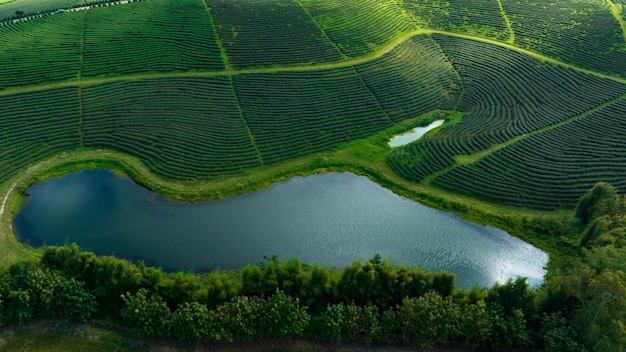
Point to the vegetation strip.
(616, 10)
(304, 68)
(511, 39)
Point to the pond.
(329, 219)
(414, 134)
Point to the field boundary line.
(456, 72)
(218, 39)
(462, 160)
(6, 197)
(373, 95)
(508, 22)
(307, 67)
(245, 121)
(321, 30)
(616, 11)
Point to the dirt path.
(6, 196)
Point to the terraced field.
(30, 7)
(269, 32)
(478, 17)
(578, 31)
(207, 90)
(37, 125)
(172, 36)
(358, 27)
(182, 128)
(412, 79)
(41, 50)
(293, 114)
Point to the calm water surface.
(414, 134)
(330, 219)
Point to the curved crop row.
(583, 32)
(37, 125)
(359, 26)
(184, 128)
(269, 32)
(551, 169)
(297, 113)
(41, 50)
(478, 17)
(412, 79)
(150, 36)
(17, 8)
(506, 94)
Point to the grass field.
(297, 86)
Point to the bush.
(189, 322)
(146, 316)
(284, 317)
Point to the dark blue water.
(330, 219)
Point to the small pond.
(330, 219)
(414, 134)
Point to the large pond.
(330, 219)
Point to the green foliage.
(513, 295)
(593, 230)
(146, 316)
(237, 319)
(283, 317)
(73, 302)
(189, 322)
(429, 320)
(598, 201)
(30, 291)
(508, 330)
(383, 284)
(599, 320)
(340, 322)
(444, 283)
(221, 288)
(476, 325)
(330, 323)
(557, 335)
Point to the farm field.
(176, 36)
(269, 32)
(8, 9)
(200, 91)
(579, 31)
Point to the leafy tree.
(513, 295)
(221, 288)
(429, 320)
(557, 335)
(189, 322)
(73, 301)
(236, 320)
(444, 283)
(599, 320)
(593, 230)
(476, 325)
(599, 200)
(147, 316)
(284, 317)
(508, 329)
